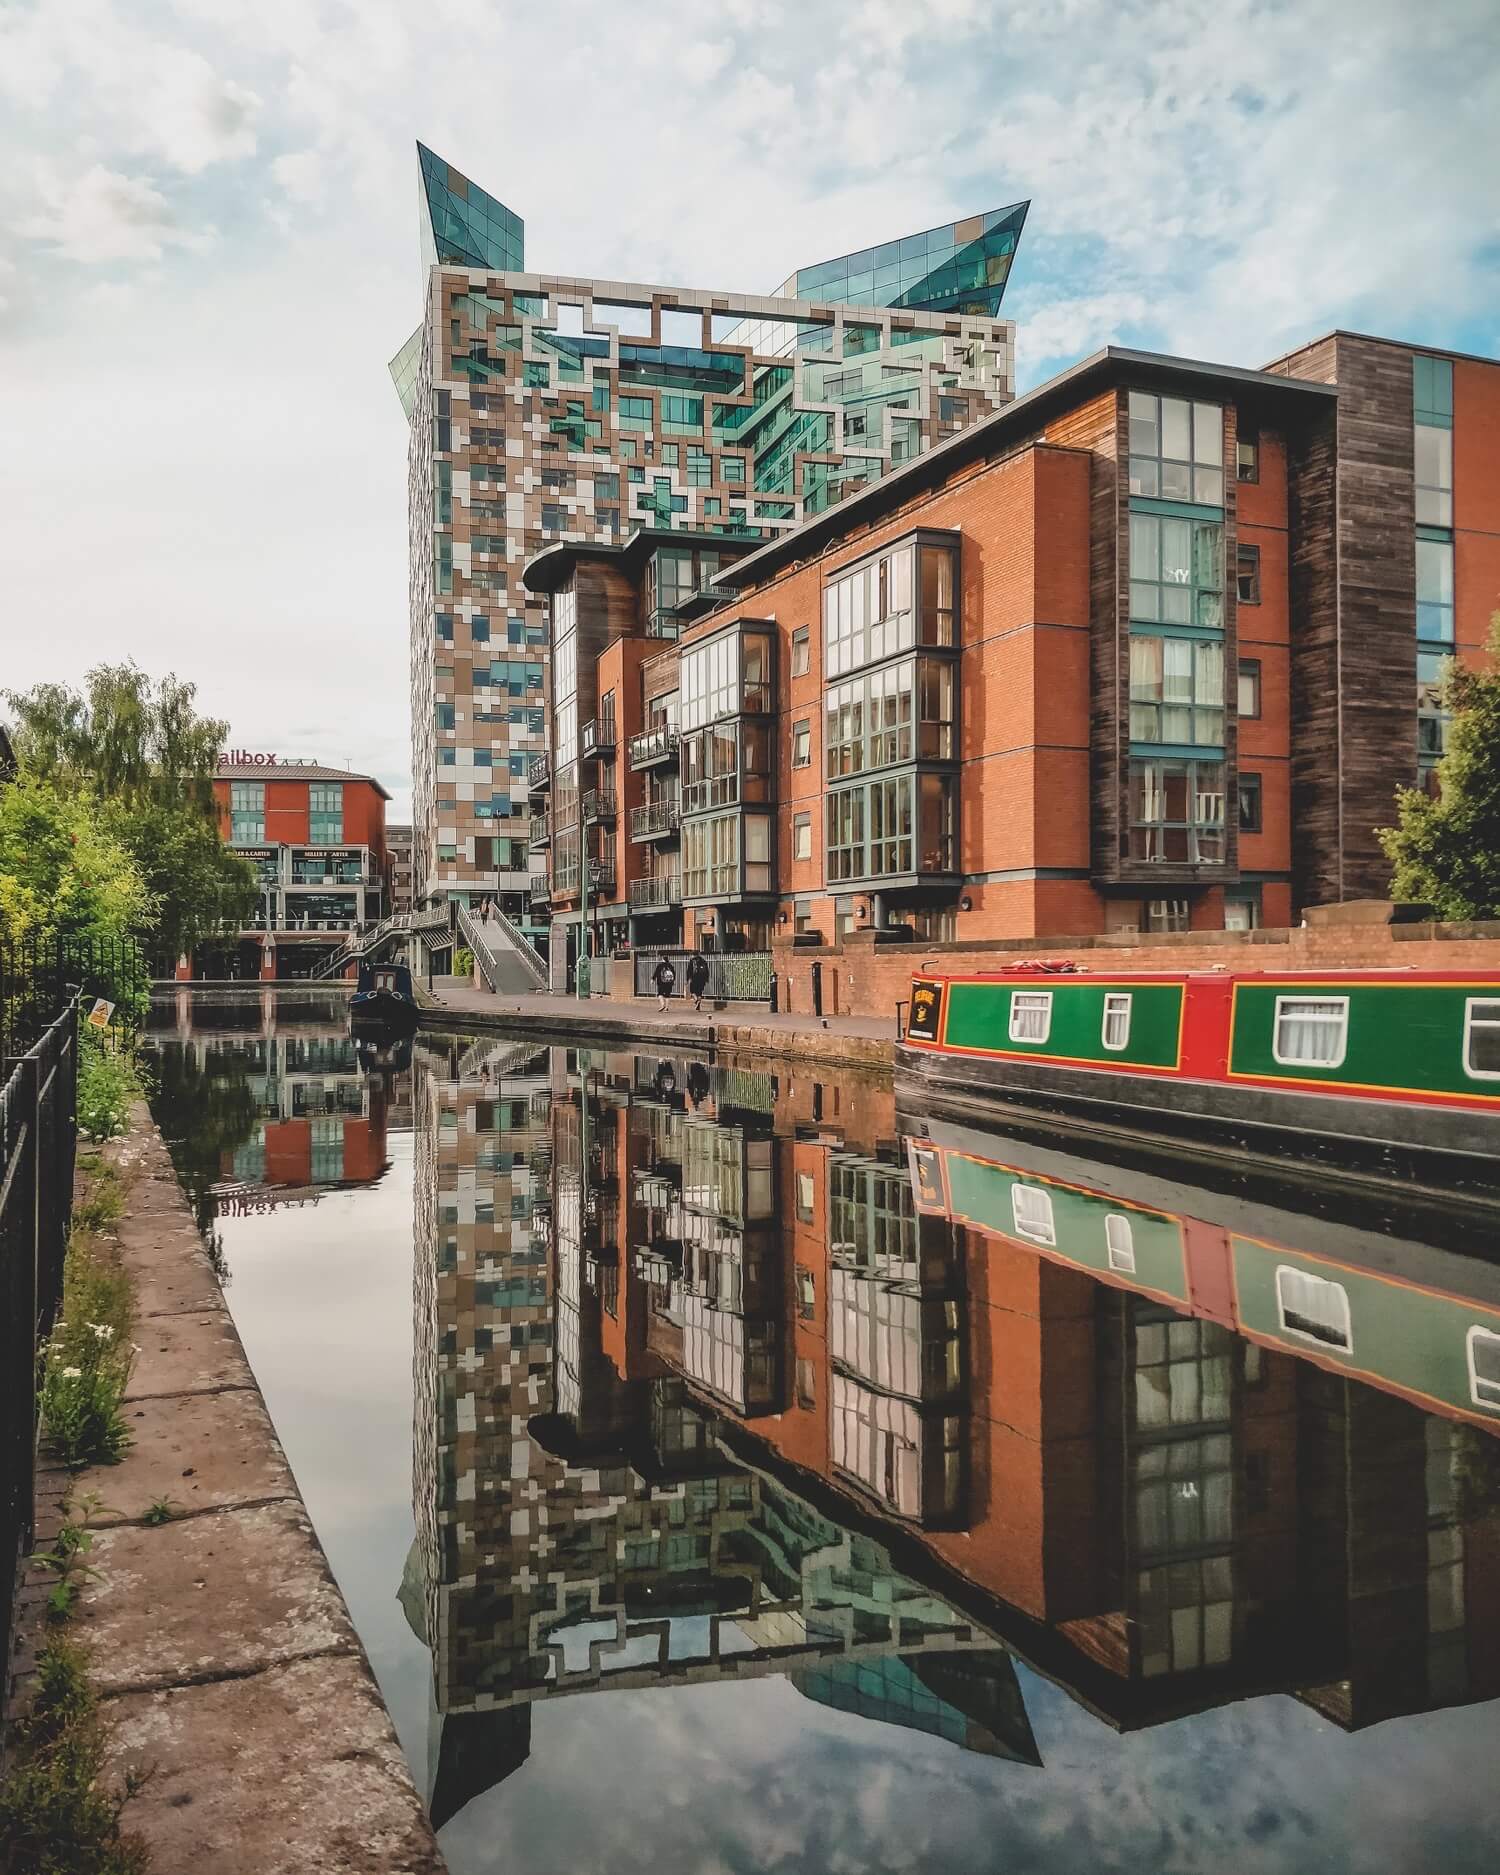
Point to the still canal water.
(728, 1471)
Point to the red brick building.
(316, 837)
(1148, 649)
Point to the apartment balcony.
(656, 820)
(539, 773)
(654, 748)
(539, 834)
(601, 878)
(540, 889)
(658, 894)
(596, 739)
(599, 804)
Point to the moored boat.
(1391, 1070)
(383, 998)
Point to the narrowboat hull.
(1201, 1059)
(382, 1009)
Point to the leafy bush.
(56, 1818)
(107, 1083)
(463, 962)
(88, 1359)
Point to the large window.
(565, 677)
(729, 762)
(1177, 811)
(1176, 570)
(882, 829)
(724, 676)
(1176, 690)
(325, 813)
(1249, 687)
(904, 598)
(1434, 607)
(247, 813)
(712, 851)
(1030, 1015)
(1176, 449)
(1434, 464)
(869, 720)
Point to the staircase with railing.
(508, 961)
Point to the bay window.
(896, 714)
(904, 597)
(1176, 449)
(1176, 570)
(888, 828)
(1176, 690)
(1176, 811)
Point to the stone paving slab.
(221, 1452)
(226, 1593)
(291, 1771)
(187, 1354)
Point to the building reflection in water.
(268, 1101)
(719, 1375)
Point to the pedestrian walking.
(664, 976)
(697, 978)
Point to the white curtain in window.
(1310, 1031)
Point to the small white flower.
(72, 1373)
(102, 1331)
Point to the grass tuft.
(56, 1815)
(89, 1357)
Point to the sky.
(208, 252)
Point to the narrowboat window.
(1484, 1367)
(1116, 1019)
(1031, 1210)
(1030, 1015)
(1311, 1031)
(1482, 1038)
(1119, 1240)
(1313, 1308)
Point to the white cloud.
(102, 217)
(191, 116)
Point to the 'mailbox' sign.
(247, 758)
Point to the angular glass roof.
(462, 226)
(962, 267)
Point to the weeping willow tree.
(140, 753)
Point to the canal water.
(728, 1470)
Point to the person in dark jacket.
(697, 978)
(664, 976)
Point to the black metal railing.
(733, 976)
(597, 737)
(539, 832)
(656, 894)
(599, 804)
(539, 773)
(654, 745)
(656, 820)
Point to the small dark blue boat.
(383, 999)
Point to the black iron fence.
(37, 1135)
(47, 990)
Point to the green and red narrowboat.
(1391, 1070)
(1402, 1314)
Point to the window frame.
(1115, 997)
(1248, 668)
(1257, 790)
(802, 743)
(1476, 1331)
(1041, 1233)
(1121, 1259)
(1246, 470)
(801, 823)
(1470, 1004)
(1301, 1334)
(1041, 999)
(1292, 1061)
(1242, 549)
(801, 651)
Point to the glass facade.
(247, 813)
(1176, 811)
(960, 267)
(1432, 435)
(889, 828)
(461, 225)
(325, 813)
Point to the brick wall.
(862, 978)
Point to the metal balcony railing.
(656, 894)
(539, 773)
(654, 746)
(601, 877)
(539, 833)
(597, 737)
(541, 888)
(599, 803)
(656, 820)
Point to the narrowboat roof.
(1021, 973)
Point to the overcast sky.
(208, 251)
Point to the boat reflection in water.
(722, 1372)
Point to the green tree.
(1445, 849)
(63, 873)
(140, 750)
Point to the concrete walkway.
(229, 1668)
(744, 1027)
